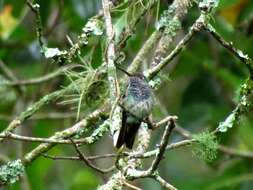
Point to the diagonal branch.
(164, 143)
(78, 158)
(196, 27)
(44, 78)
(88, 162)
(163, 183)
(230, 47)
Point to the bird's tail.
(131, 134)
(127, 135)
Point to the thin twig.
(44, 78)
(8, 72)
(41, 116)
(13, 136)
(235, 152)
(169, 147)
(131, 186)
(35, 9)
(165, 139)
(164, 183)
(230, 47)
(78, 158)
(87, 161)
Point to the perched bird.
(137, 104)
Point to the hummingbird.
(137, 104)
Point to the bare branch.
(44, 78)
(78, 158)
(29, 157)
(35, 8)
(163, 145)
(164, 183)
(8, 72)
(87, 161)
(230, 47)
(169, 147)
(131, 186)
(43, 140)
(196, 27)
(235, 152)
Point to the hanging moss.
(205, 147)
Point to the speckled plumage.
(137, 103)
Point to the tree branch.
(163, 145)
(88, 162)
(78, 158)
(230, 47)
(35, 10)
(44, 78)
(196, 27)
(115, 115)
(152, 171)
(29, 157)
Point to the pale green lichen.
(228, 123)
(155, 83)
(243, 107)
(208, 5)
(116, 120)
(94, 26)
(99, 132)
(206, 146)
(115, 183)
(169, 22)
(36, 6)
(11, 172)
(53, 52)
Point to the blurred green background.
(202, 89)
